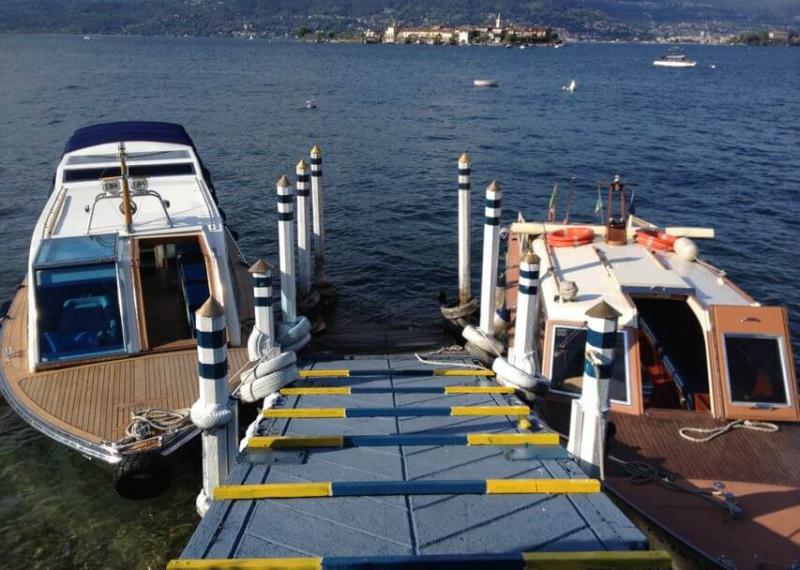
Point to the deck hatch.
(60, 252)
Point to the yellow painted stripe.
(338, 373)
(304, 413)
(293, 441)
(316, 391)
(549, 486)
(490, 411)
(633, 560)
(512, 438)
(273, 491)
(463, 372)
(478, 390)
(247, 564)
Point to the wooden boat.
(698, 362)
(130, 243)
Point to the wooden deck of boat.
(93, 401)
(448, 524)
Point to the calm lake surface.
(705, 146)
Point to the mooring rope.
(153, 420)
(710, 433)
(442, 350)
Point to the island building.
(496, 33)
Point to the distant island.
(708, 21)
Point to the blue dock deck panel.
(421, 521)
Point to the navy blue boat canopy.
(150, 131)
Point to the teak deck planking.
(93, 401)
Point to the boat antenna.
(126, 195)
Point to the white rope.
(154, 420)
(445, 363)
(707, 434)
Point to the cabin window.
(134, 171)
(78, 312)
(568, 358)
(756, 370)
(76, 250)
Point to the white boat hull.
(661, 63)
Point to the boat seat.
(85, 325)
(194, 284)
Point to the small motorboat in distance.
(99, 342)
(311, 103)
(674, 59)
(485, 83)
(571, 88)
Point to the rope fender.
(208, 417)
(487, 343)
(262, 386)
(510, 375)
(453, 312)
(292, 335)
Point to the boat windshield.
(78, 312)
(76, 250)
(756, 370)
(568, 360)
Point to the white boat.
(571, 88)
(101, 330)
(485, 83)
(674, 60)
(311, 103)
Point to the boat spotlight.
(110, 185)
(139, 184)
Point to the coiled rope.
(151, 421)
(707, 434)
(445, 349)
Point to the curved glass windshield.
(78, 312)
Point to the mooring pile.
(272, 345)
(517, 367)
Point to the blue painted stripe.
(285, 198)
(285, 216)
(262, 281)
(375, 488)
(492, 221)
(493, 203)
(464, 171)
(603, 369)
(303, 193)
(601, 340)
(532, 274)
(214, 339)
(398, 390)
(406, 439)
(464, 186)
(395, 412)
(263, 301)
(316, 160)
(316, 173)
(303, 178)
(213, 371)
(525, 290)
(476, 561)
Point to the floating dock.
(391, 462)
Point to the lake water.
(705, 146)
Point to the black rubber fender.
(142, 475)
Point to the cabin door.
(754, 363)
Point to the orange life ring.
(570, 237)
(653, 239)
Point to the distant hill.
(228, 17)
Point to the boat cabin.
(107, 281)
(688, 338)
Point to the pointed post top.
(210, 309)
(603, 310)
(464, 158)
(260, 266)
(315, 151)
(301, 166)
(493, 187)
(283, 182)
(530, 258)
